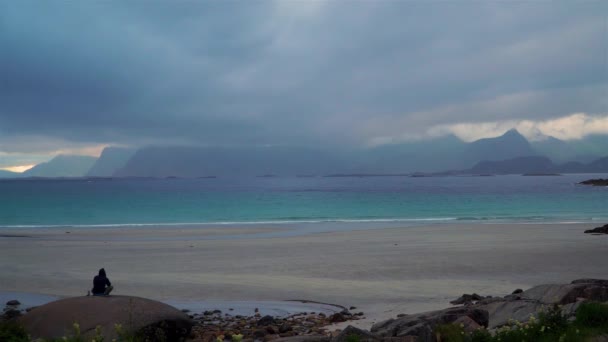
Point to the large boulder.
(530, 302)
(136, 315)
(587, 289)
(352, 333)
(502, 311)
(422, 325)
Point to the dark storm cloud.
(253, 72)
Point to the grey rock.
(13, 302)
(337, 318)
(568, 293)
(598, 230)
(345, 312)
(259, 333)
(266, 320)
(501, 312)
(467, 299)
(512, 297)
(362, 335)
(136, 315)
(11, 313)
(285, 328)
(602, 282)
(422, 325)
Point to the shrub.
(455, 333)
(12, 332)
(553, 319)
(592, 315)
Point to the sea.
(311, 201)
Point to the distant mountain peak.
(511, 144)
(62, 165)
(512, 131)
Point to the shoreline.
(382, 271)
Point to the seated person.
(99, 284)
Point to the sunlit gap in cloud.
(571, 127)
(19, 168)
(40, 150)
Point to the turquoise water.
(253, 200)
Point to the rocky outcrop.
(582, 289)
(351, 333)
(522, 305)
(422, 325)
(145, 317)
(492, 312)
(598, 230)
(501, 311)
(467, 299)
(595, 182)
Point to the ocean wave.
(298, 220)
(235, 223)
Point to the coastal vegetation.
(591, 320)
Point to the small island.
(595, 182)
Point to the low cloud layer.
(571, 127)
(79, 75)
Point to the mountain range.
(62, 166)
(535, 165)
(509, 153)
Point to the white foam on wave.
(468, 219)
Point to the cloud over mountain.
(294, 73)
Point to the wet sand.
(383, 272)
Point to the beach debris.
(599, 230)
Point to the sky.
(78, 76)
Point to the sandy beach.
(383, 272)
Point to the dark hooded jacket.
(99, 282)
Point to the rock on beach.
(598, 230)
(134, 314)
